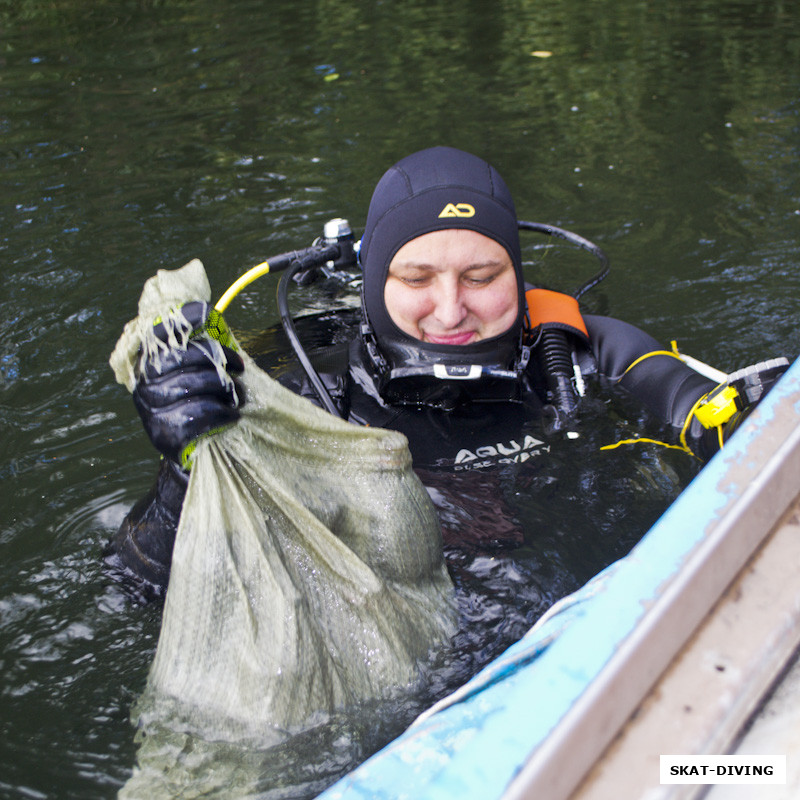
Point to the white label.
(723, 769)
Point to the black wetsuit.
(463, 446)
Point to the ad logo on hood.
(457, 210)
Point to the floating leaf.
(541, 53)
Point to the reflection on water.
(137, 134)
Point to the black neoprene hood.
(434, 189)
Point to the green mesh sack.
(307, 573)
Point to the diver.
(478, 369)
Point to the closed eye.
(479, 281)
(483, 274)
(415, 281)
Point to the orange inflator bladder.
(555, 310)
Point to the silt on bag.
(307, 573)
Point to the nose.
(450, 308)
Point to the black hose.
(310, 259)
(556, 363)
(573, 238)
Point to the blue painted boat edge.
(475, 742)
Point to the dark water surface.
(136, 135)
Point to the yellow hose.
(245, 280)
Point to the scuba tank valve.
(338, 232)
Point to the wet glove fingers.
(172, 427)
(195, 313)
(182, 384)
(194, 318)
(197, 355)
(182, 395)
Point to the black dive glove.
(182, 396)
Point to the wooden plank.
(700, 705)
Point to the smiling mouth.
(453, 338)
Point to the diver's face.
(452, 287)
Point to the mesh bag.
(307, 573)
